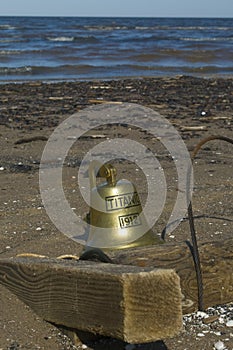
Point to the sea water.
(71, 48)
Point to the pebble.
(229, 323)
(200, 334)
(219, 345)
(218, 333)
(221, 320)
(210, 319)
(130, 347)
(201, 325)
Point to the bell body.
(117, 209)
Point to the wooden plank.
(131, 303)
(216, 262)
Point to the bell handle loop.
(109, 172)
(105, 170)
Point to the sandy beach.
(29, 113)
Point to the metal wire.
(195, 250)
(194, 247)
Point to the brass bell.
(116, 219)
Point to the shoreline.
(114, 78)
(175, 97)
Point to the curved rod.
(194, 247)
(195, 250)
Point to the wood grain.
(216, 262)
(131, 303)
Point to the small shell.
(200, 334)
(229, 323)
(219, 345)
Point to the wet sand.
(29, 113)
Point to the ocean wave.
(46, 70)
(164, 37)
(155, 27)
(9, 40)
(107, 27)
(210, 69)
(84, 39)
(15, 70)
(189, 69)
(207, 39)
(192, 28)
(89, 72)
(14, 39)
(61, 38)
(7, 27)
(87, 47)
(9, 52)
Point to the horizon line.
(110, 16)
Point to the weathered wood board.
(216, 262)
(131, 303)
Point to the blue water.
(70, 48)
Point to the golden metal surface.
(116, 206)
